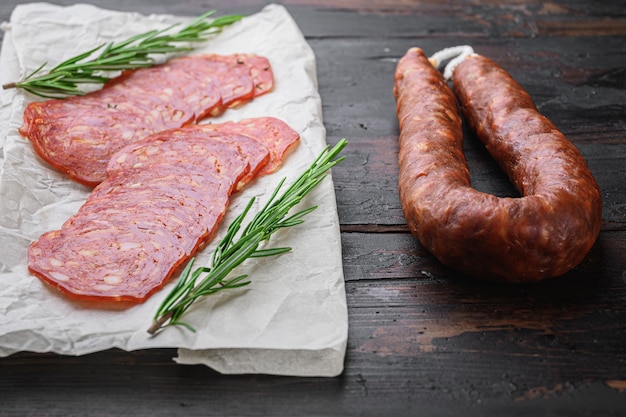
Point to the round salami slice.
(161, 202)
(78, 135)
(273, 133)
(175, 217)
(193, 183)
(233, 76)
(261, 72)
(132, 234)
(234, 156)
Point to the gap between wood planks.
(374, 228)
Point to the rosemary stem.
(158, 324)
(133, 53)
(232, 252)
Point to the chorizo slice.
(78, 135)
(272, 132)
(233, 77)
(132, 234)
(261, 72)
(234, 156)
(262, 141)
(161, 202)
(544, 233)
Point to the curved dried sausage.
(542, 234)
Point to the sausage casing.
(545, 232)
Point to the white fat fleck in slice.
(56, 262)
(206, 102)
(71, 264)
(120, 159)
(176, 220)
(79, 130)
(154, 114)
(151, 150)
(102, 287)
(155, 245)
(128, 245)
(59, 276)
(87, 252)
(84, 135)
(177, 115)
(112, 279)
(127, 134)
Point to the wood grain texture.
(423, 340)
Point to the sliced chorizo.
(78, 135)
(160, 203)
(235, 156)
(276, 135)
(132, 234)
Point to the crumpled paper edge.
(316, 362)
(305, 363)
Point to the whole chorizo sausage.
(545, 232)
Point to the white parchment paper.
(291, 320)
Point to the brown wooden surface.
(423, 340)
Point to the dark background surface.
(423, 340)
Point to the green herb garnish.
(135, 52)
(235, 248)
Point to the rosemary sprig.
(132, 53)
(235, 247)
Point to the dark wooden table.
(423, 340)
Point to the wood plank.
(418, 19)
(423, 340)
(579, 90)
(505, 337)
(381, 256)
(452, 343)
(486, 19)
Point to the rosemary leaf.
(67, 62)
(262, 253)
(135, 52)
(239, 245)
